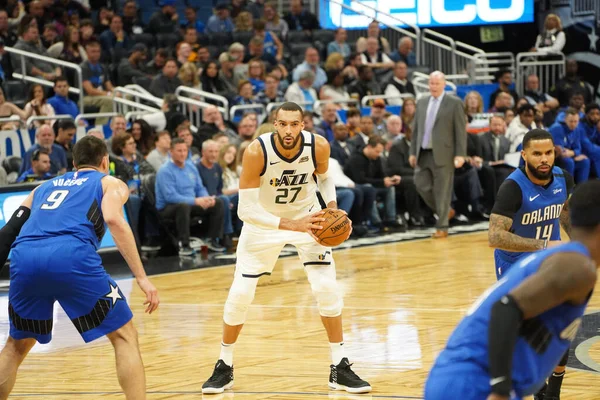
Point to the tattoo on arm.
(565, 219)
(500, 237)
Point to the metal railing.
(438, 51)
(195, 94)
(123, 103)
(466, 58)
(58, 117)
(258, 108)
(548, 68)
(22, 75)
(94, 116)
(402, 96)
(488, 64)
(317, 104)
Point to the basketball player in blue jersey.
(519, 329)
(530, 207)
(278, 204)
(54, 237)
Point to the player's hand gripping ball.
(336, 228)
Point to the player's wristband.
(545, 244)
(505, 321)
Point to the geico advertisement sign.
(426, 12)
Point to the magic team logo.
(289, 178)
(585, 349)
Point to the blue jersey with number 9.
(69, 206)
(538, 217)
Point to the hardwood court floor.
(402, 301)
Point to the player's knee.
(125, 334)
(327, 294)
(239, 299)
(19, 347)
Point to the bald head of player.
(288, 124)
(91, 152)
(538, 154)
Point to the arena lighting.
(427, 13)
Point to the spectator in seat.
(399, 84)
(188, 76)
(97, 86)
(203, 56)
(522, 124)
(271, 92)
(577, 102)
(165, 20)
(86, 32)
(273, 22)
(44, 136)
(571, 83)
(309, 124)
(393, 125)
(167, 81)
(143, 134)
(115, 41)
(246, 128)
(9, 37)
(502, 102)
(133, 66)
(339, 44)
(70, 49)
(212, 178)
(378, 117)
(244, 22)
(49, 35)
(256, 75)
(365, 85)
(213, 124)
(184, 133)
(220, 22)
(373, 31)
(311, 63)
(231, 181)
(29, 41)
(191, 21)
(299, 19)
(226, 73)
(245, 96)
(160, 154)
(40, 167)
(494, 147)
(397, 164)
(409, 110)
(405, 52)
(132, 24)
(534, 96)
(38, 106)
(118, 125)
(353, 121)
(568, 142)
(588, 131)
(340, 149)
(191, 37)
(183, 53)
(180, 194)
(505, 81)
(552, 39)
(65, 132)
(302, 91)
(256, 51)
(155, 66)
(328, 120)
(271, 43)
(360, 140)
(60, 102)
(377, 59)
(335, 88)
(366, 167)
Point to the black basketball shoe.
(343, 378)
(221, 379)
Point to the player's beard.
(539, 174)
(290, 147)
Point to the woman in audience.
(473, 103)
(8, 109)
(188, 75)
(334, 89)
(244, 22)
(273, 22)
(70, 49)
(245, 95)
(552, 39)
(256, 75)
(183, 51)
(37, 106)
(409, 108)
(210, 80)
(143, 134)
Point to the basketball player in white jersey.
(278, 204)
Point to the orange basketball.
(336, 228)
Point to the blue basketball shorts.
(70, 272)
(502, 266)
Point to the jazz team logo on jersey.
(542, 214)
(289, 178)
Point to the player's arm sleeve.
(325, 183)
(11, 230)
(505, 321)
(326, 187)
(251, 211)
(508, 199)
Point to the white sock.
(227, 353)
(337, 352)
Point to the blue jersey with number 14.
(538, 217)
(69, 206)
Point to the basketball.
(336, 228)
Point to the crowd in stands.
(181, 175)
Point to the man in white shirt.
(376, 59)
(399, 84)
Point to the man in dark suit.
(397, 164)
(340, 149)
(439, 146)
(494, 146)
(360, 140)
